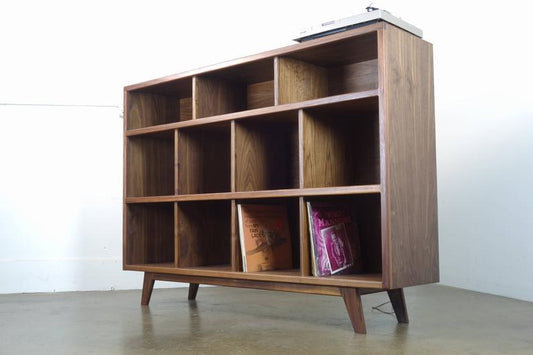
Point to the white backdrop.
(61, 180)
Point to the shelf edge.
(307, 192)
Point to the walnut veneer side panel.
(411, 166)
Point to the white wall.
(60, 187)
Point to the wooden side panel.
(300, 81)
(260, 95)
(353, 77)
(204, 233)
(145, 110)
(411, 167)
(216, 96)
(150, 233)
(150, 166)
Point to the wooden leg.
(193, 290)
(148, 286)
(397, 300)
(352, 300)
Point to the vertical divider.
(194, 99)
(234, 222)
(276, 81)
(302, 215)
(235, 254)
(176, 162)
(176, 192)
(304, 240)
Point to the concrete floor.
(444, 320)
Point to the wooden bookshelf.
(347, 117)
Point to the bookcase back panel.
(260, 95)
(150, 110)
(204, 233)
(204, 159)
(150, 233)
(150, 165)
(216, 96)
(353, 77)
(267, 153)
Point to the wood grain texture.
(300, 81)
(150, 165)
(266, 154)
(352, 300)
(411, 167)
(150, 233)
(215, 96)
(185, 109)
(397, 300)
(204, 233)
(204, 159)
(148, 287)
(353, 77)
(260, 95)
(149, 110)
(340, 148)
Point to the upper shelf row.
(305, 74)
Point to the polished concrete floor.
(237, 321)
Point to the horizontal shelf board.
(319, 191)
(325, 101)
(257, 57)
(373, 281)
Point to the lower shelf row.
(204, 235)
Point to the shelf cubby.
(150, 234)
(292, 206)
(366, 213)
(150, 164)
(335, 68)
(204, 155)
(204, 233)
(341, 144)
(160, 105)
(243, 87)
(266, 152)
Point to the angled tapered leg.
(352, 300)
(148, 287)
(397, 299)
(193, 290)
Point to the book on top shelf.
(264, 237)
(334, 239)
